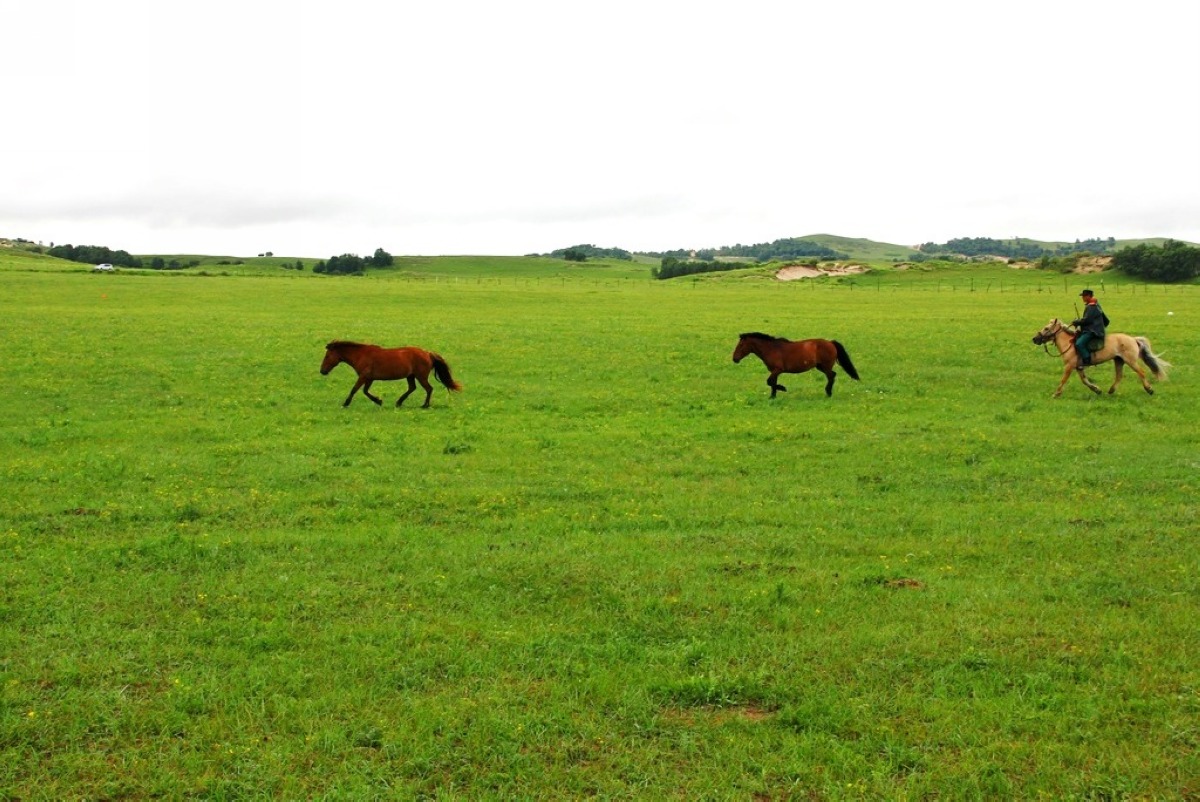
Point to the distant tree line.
(349, 264)
(1172, 261)
(581, 253)
(686, 262)
(782, 250)
(159, 263)
(673, 267)
(94, 255)
(1010, 249)
(779, 250)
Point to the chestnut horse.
(1123, 349)
(781, 355)
(373, 363)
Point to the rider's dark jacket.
(1093, 320)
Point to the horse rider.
(1091, 327)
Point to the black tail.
(442, 370)
(844, 360)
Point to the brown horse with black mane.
(781, 355)
(373, 364)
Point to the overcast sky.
(520, 126)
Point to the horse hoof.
(1150, 390)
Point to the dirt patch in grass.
(1085, 264)
(1093, 264)
(718, 715)
(905, 582)
(794, 272)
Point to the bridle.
(1044, 337)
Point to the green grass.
(611, 566)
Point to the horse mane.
(343, 344)
(758, 335)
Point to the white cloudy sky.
(479, 126)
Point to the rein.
(1061, 352)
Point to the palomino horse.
(781, 355)
(1123, 349)
(373, 363)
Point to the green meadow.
(611, 566)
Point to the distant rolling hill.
(864, 249)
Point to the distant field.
(611, 566)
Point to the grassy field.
(611, 566)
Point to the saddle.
(1094, 345)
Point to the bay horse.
(373, 364)
(1123, 349)
(782, 355)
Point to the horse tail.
(843, 359)
(1158, 366)
(441, 369)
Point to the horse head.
(333, 357)
(1048, 332)
(748, 343)
(743, 348)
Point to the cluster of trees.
(581, 253)
(683, 254)
(352, 264)
(159, 263)
(673, 267)
(782, 250)
(1169, 262)
(779, 250)
(1011, 249)
(686, 263)
(94, 255)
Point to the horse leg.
(361, 381)
(1067, 371)
(1088, 383)
(830, 375)
(367, 392)
(412, 385)
(428, 390)
(1118, 373)
(773, 383)
(1141, 374)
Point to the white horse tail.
(1158, 366)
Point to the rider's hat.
(1086, 293)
